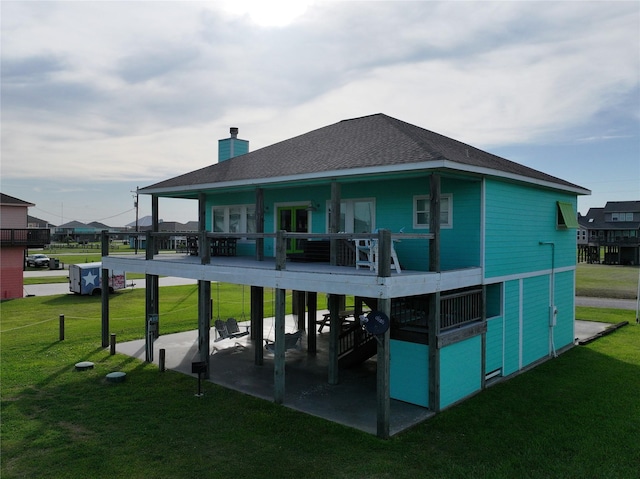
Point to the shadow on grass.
(569, 417)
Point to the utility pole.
(135, 205)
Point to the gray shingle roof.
(595, 218)
(622, 206)
(376, 141)
(11, 200)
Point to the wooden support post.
(483, 372)
(383, 384)
(151, 308)
(105, 307)
(434, 352)
(259, 224)
(257, 322)
(155, 223)
(281, 251)
(204, 250)
(278, 360)
(112, 344)
(61, 327)
(384, 253)
(105, 291)
(204, 323)
(334, 337)
(334, 225)
(434, 224)
(299, 303)
(312, 314)
(162, 359)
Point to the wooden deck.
(301, 276)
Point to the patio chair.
(291, 341)
(228, 329)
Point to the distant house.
(15, 239)
(33, 222)
(176, 241)
(471, 256)
(79, 232)
(611, 233)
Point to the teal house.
(466, 259)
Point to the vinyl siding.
(11, 279)
(409, 373)
(13, 216)
(460, 370)
(460, 245)
(494, 343)
(517, 219)
(565, 302)
(511, 353)
(535, 325)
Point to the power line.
(85, 220)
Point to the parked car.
(38, 260)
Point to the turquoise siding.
(460, 370)
(535, 324)
(232, 147)
(460, 245)
(494, 342)
(511, 327)
(409, 375)
(565, 302)
(517, 219)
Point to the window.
(421, 216)
(234, 219)
(565, 216)
(621, 216)
(356, 216)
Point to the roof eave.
(343, 173)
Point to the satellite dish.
(376, 322)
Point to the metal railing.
(337, 249)
(30, 237)
(460, 308)
(353, 338)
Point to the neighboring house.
(84, 233)
(176, 241)
(611, 233)
(33, 222)
(479, 282)
(15, 239)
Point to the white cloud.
(102, 91)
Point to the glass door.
(294, 219)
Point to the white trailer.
(86, 278)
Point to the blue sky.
(101, 97)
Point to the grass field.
(607, 281)
(575, 416)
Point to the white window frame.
(446, 221)
(349, 213)
(244, 214)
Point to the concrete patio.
(352, 402)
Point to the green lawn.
(606, 281)
(575, 416)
